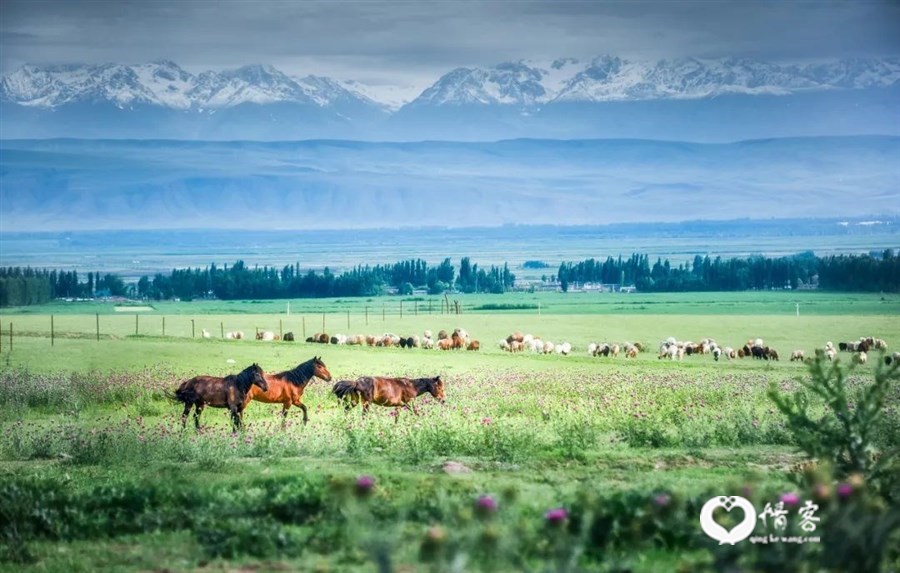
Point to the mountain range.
(609, 97)
(71, 184)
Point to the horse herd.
(236, 391)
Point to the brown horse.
(287, 387)
(228, 392)
(397, 392)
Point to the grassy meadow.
(98, 474)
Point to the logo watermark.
(772, 517)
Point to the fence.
(99, 327)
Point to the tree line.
(861, 273)
(873, 273)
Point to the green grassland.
(99, 475)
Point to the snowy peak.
(610, 78)
(163, 83)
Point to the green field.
(99, 475)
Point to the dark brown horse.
(228, 392)
(287, 387)
(397, 392)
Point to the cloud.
(419, 41)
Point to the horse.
(228, 392)
(396, 392)
(287, 387)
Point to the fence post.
(52, 331)
(164, 326)
(348, 322)
(193, 331)
(323, 322)
(10, 337)
(222, 328)
(98, 327)
(135, 325)
(257, 333)
(429, 305)
(416, 307)
(401, 309)
(367, 316)
(280, 329)
(303, 319)
(383, 305)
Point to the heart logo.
(739, 532)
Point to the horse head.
(437, 389)
(320, 370)
(259, 377)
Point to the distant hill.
(106, 184)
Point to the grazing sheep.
(730, 353)
(771, 354)
(796, 356)
(860, 358)
(427, 334)
(716, 353)
(631, 351)
(565, 348)
(504, 345)
(288, 337)
(516, 346)
(880, 344)
(515, 337)
(831, 353)
(370, 340)
(829, 344)
(547, 348)
(428, 344)
(639, 346)
(614, 350)
(205, 333)
(442, 335)
(473, 345)
(892, 359)
(592, 349)
(445, 344)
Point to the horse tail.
(184, 394)
(345, 388)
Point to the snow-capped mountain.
(685, 99)
(166, 84)
(609, 78)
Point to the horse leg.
(198, 409)
(284, 413)
(184, 415)
(302, 406)
(237, 420)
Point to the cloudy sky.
(412, 43)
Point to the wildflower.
(790, 499)
(364, 485)
(822, 492)
(844, 490)
(485, 505)
(662, 500)
(556, 517)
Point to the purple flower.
(364, 485)
(662, 500)
(556, 516)
(485, 505)
(790, 499)
(844, 490)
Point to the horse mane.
(244, 379)
(423, 385)
(301, 374)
